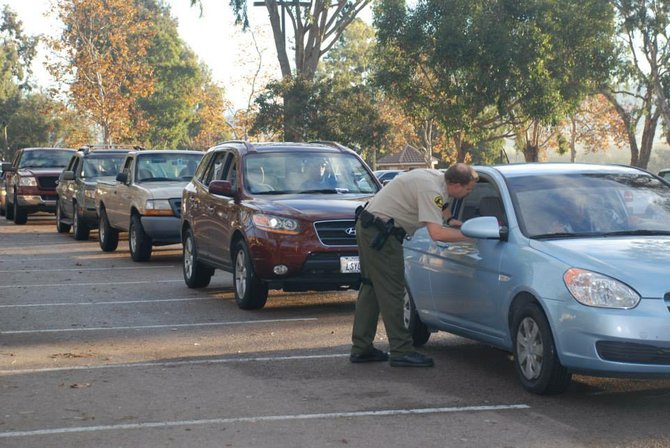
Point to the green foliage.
(171, 109)
(454, 60)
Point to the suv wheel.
(139, 242)
(196, 274)
(250, 292)
(20, 215)
(79, 229)
(109, 236)
(61, 227)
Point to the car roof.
(539, 169)
(167, 151)
(43, 148)
(268, 147)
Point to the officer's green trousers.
(382, 291)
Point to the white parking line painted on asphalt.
(151, 327)
(51, 285)
(260, 419)
(191, 362)
(88, 269)
(112, 302)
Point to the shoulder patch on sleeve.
(439, 202)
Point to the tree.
(316, 25)
(16, 54)
(178, 80)
(102, 46)
(639, 91)
(480, 68)
(210, 126)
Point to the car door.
(223, 211)
(66, 189)
(118, 210)
(204, 220)
(467, 280)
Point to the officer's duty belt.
(386, 227)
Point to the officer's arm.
(446, 234)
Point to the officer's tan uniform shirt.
(412, 199)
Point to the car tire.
(80, 230)
(139, 242)
(2, 209)
(109, 236)
(20, 215)
(196, 273)
(9, 210)
(61, 227)
(419, 331)
(535, 357)
(251, 293)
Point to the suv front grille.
(336, 233)
(47, 182)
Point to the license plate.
(350, 265)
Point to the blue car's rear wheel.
(535, 358)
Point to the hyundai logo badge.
(351, 231)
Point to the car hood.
(313, 207)
(164, 190)
(640, 262)
(47, 171)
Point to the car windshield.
(591, 204)
(47, 158)
(102, 165)
(165, 167)
(317, 173)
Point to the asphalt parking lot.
(99, 351)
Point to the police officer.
(412, 200)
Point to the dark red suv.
(276, 215)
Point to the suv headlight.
(593, 289)
(277, 224)
(27, 181)
(158, 207)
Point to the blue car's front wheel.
(535, 358)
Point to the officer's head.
(460, 179)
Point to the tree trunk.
(629, 124)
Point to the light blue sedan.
(568, 268)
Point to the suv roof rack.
(99, 147)
(249, 147)
(337, 145)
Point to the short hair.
(460, 173)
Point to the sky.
(218, 42)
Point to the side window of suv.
(215, 168)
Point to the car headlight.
(276, 224)
(27, 181)
(158, 207)
(89, 193)
(593, 289)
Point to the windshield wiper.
(640, 232)
(566, 235)
(323, 190)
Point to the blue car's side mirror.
(486, 227)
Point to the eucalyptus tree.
(309, 29)
(483, 68)
(641, 88)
